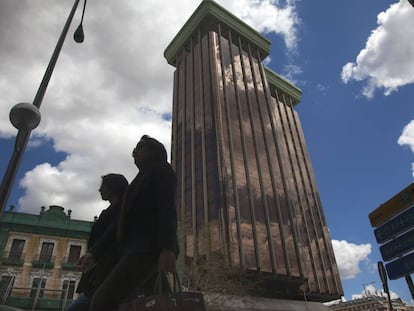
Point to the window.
(46, 252)
(16, 249)
(68, 289)
(6, 284)
(74, 253)
(38, 285)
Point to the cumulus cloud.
(407, 136)
(386, 62)
(267, 16)
(348, 257)
(407, 139)
(371, 290)
(105, 92)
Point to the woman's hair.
(116, 183)
(157, 148)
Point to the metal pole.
(390, 301)
(384, 279)
(23, 135)
(410, 284)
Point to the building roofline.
(54, 218)
(206, 9)
(284, 85)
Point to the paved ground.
(7, 308)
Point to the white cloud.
(407, 136)
(266, 16)
(104, 93)
(407, 139)
(387, 60)
(348, 257)
(371, 290)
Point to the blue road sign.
(400, 267)
(400, 245)
(393, 206)
(395, 226)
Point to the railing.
(52, 300)
(12, 258)
(42, 261)
(69, 263)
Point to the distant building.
(38, 257)
(371, 303)
(246, 188)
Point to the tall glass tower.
(246, 184)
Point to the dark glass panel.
(188, 156)
(245, 187)
(38, 286)
(6, 284)
(68, 289)
(180, 108)
(46, 252)
(285, 199)
(16, 249)
(213, 180)
(74, 253)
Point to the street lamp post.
(25, 117)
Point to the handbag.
(176, 300)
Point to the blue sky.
(352, 59)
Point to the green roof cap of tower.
(209, 9)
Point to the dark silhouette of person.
(147, 230)
(112, 189)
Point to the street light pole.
(31, 115)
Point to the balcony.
(42, 261)
(69, 263)
(51, 303)
(12, 258)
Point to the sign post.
(410, 285)
(384, 279)
(394, 229)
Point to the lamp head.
(79, 35)
(25, 116)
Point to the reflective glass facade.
(246, 184)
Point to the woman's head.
(113, 185)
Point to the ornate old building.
(38, 258)
(247, 190)
(371, 302)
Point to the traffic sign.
(400, 267)
(398, 246)
(395, 226)
(393, 206)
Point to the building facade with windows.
(372, 303)
(246, 187)
(38, 257)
